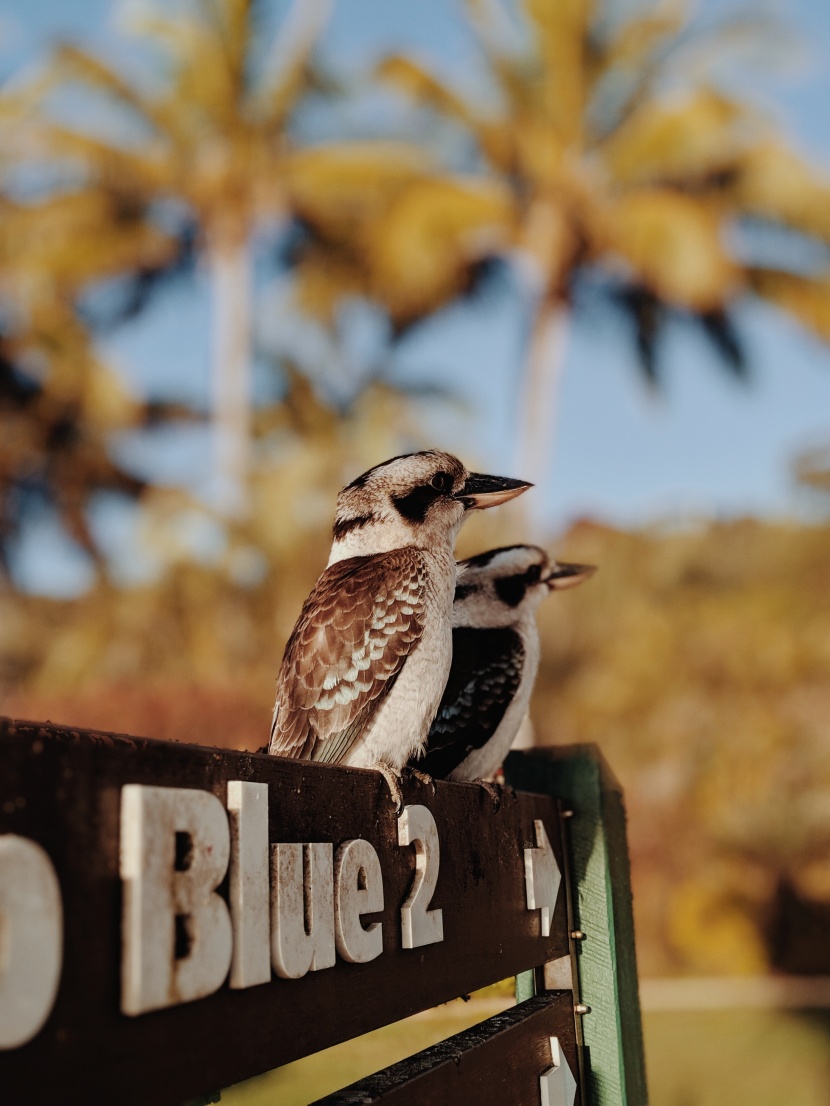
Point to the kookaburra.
(495, 644)
(369, 656)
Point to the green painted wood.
(612, 1032)
(525, 985)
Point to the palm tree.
(60, 404)
(625, 167)
(210, 135)
(382, 221)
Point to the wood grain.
(492, 1064)
(61, 787)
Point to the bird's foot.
(422, 777)
(494, 790)
(393, 781)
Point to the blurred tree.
(218, 611)
(626, 166)
(698, 660)
(381, 221)
(60, 404)
(210, 134)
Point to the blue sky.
(706, 445)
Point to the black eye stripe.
(511, 589)
(414, 506)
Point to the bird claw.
(494, 790)
(393, 781)
(423, 778)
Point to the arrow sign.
(557, 1084)
(542, 877)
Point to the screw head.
(581, 1008)
(577, 935)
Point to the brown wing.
(355, 631)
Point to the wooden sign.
(177, 918)
(528, 1054)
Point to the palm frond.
(774, 183)
(71, 62)
(681, 141)
(426, 89)
(423, 248)
(674, 246)
(288, 71)
(805, 298)
(647, 317)
(720, 329)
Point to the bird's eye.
(533, 574)
(442, 482)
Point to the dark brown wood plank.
(497, 1062)
(62, 787)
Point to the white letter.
(359, 883)
(248, 815)
(174, 853)
(31, 939)
(420, 926)
(302, 908)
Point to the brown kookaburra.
(368, 659)
(495, 644)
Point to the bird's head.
(416, 499)
(502, 586)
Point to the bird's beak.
(564, 575)
(481, 491)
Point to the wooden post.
(612, 1031)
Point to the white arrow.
(557, 1084)
(542, 877)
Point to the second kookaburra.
(495, 658)
(367, 661)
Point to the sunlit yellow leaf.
(678, 140)
(341, 186)
(106, 403)
(775, 183)
(423, 247)
(807, 298)
(637, 38)
(674, 246)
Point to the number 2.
(419, 925)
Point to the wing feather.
(485, 675)
(355, 631)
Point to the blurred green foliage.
(698, 660)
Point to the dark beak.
(564, 575)
(482, 491)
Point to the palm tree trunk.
(542, 264)
(231, 286)
(539, 391)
